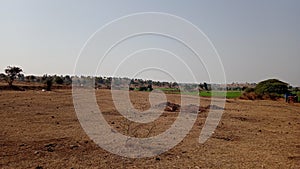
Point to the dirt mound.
(213, 107)
(170, 107)
(173, 107)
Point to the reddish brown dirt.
(40, 129)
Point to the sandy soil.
(41, 130)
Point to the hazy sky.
(256, 40)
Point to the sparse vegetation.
(40, 129)
(268, 89)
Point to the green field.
(228, 94)
(298, 94)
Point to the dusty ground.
(40, 130)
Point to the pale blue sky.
(256, 39)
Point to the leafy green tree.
(12, 72)
(271, 86)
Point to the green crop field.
(228, 94)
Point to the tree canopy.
(271, 86)
(12, 72)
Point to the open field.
(40, 130)
(228, 94)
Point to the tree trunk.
(10, 83)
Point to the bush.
(249, 90)
(271, 86)
(143, 88)
(271, 96)
(271, 89)
(58, 80)
(249, 96)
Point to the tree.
(49, 83)
(150, 87)
(68, 79)
(271, 86)
(48, 80)
(2, 76)
(174, 85)
(58, 80)
(21, 77)
(205, 86)
(12, 72)
(31, 78)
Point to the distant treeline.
(117, 82)
(67, 80)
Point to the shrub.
(271, 86)
(249, 96)
(271, 89)
(58, 80)
(249, 90)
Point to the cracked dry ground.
(40, 130)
